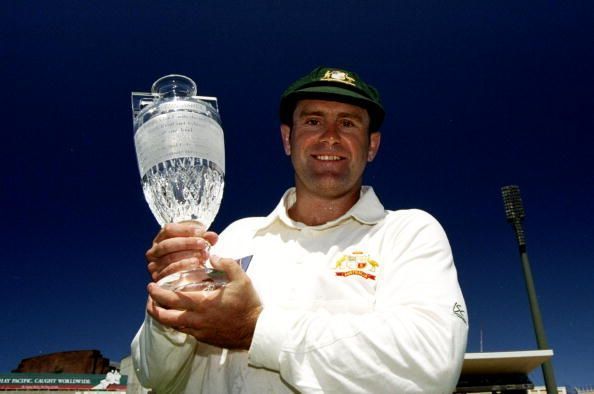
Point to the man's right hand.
(178, 247)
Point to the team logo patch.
(356, 263)
(338, 76)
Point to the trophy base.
(199, 279)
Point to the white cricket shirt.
(367, 303)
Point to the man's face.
(329, 145)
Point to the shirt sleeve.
(163, 357)
(412, 341)
(169, 361)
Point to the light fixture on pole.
(514, 212)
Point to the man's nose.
(330, 134)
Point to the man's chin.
(333, 187)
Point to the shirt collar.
(367, 210)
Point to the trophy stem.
(198, 279)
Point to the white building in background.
(584, 390)
(501, 372)
(543, 390)
(482, 373)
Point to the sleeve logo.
(458, 311)
(356, 263)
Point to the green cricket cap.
(327, 83)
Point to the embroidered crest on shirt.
(356, 263)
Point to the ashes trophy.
(181, 158)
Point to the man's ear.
(286, 136)
(374, 144)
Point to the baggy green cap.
(327, 83)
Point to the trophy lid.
(169, 87)
(174, 85)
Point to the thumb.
(230, 266)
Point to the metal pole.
(514, 211)
(541, 339)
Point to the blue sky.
(478, 95)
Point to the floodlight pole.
(514, 211)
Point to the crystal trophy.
(181, 158)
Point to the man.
(340, 295)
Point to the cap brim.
(337, 93)
(332, 91)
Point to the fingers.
(160, 265)
(201, 254)
(183, 321)
(178, 244)
(158, 261)
(173, 230)
(179, 310)
(224, 317)
(230, 266)
(184, 230)
(175, 300)
(211, 237)
(172, 254)
(187, 229)
(159, 271)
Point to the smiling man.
(334, 293)
(329, 143)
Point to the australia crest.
(356, 263)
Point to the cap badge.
(338, 76)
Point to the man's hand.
(225, 317)
(178, 247)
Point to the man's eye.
(347, 123)
(312, 122)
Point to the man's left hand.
(225, 317)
